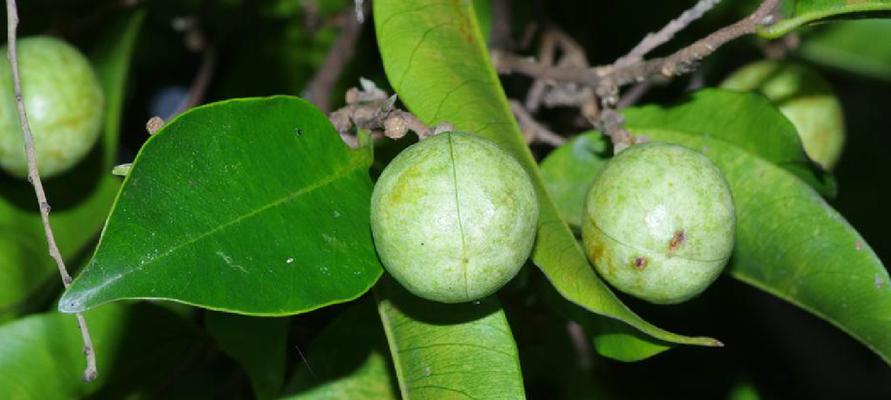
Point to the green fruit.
(804, 97)
(64, 103)
(453, 217)
(659, 222)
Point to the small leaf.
(791, 244)
(41, 355)
(348, 360)
(796, 13)
(764, 131)
(80, 198)
(436, 60)
(852, 46)
(253, 206)
(258, 344)
(449, 350)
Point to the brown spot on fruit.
(640, 263)
(676, 241)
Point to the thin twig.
(678, 63)
(201, 81)
(342, 51)
(654, 40)
(534, 131)
(12, 21)
(634, 94)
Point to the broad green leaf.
(436, 60)
(765, 131)
(348, 360)
(796, 13)
(258, 344)
(568, 171)
(792, 244)
(852, 46)
(80, 198)
(41, 355)
(449, 350)
(252, 206)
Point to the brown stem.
(319, 89)
(679, 63)
(12, 21)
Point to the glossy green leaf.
(80, 198)
(765, 131)
(348, 360)
(41, 355)
(449, 350)
(568, 171)
(852, 46)
(796, 13)
(792, 244)
(252, 206)
(436, 60)
(258, 344)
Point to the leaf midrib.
(351, 167)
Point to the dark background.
(264, 48)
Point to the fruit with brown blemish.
(453, 217)
(64, 102)
(659, 222)
(805, 98)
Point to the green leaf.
(41, 355)
(792, 244)
(436, 60)
(348, 360)
(765, 131)
(569, 170)
(258, 344)
(796, 13)
(80, 198)
(252, 206)
(852, 46)
(449, 350)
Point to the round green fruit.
(453, 217)
(64, 103)
(659, 222)
(804, 97)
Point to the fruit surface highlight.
(453, 217)
(659, 222)
(803, 96)
(64, 102)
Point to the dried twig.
(319, 89)
(370, 108)
(605, 81)
(678, 63)
(12, 21)
(654, 40)
(201, 81)
(534, 131)
(634, 94)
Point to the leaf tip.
(71, 303)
